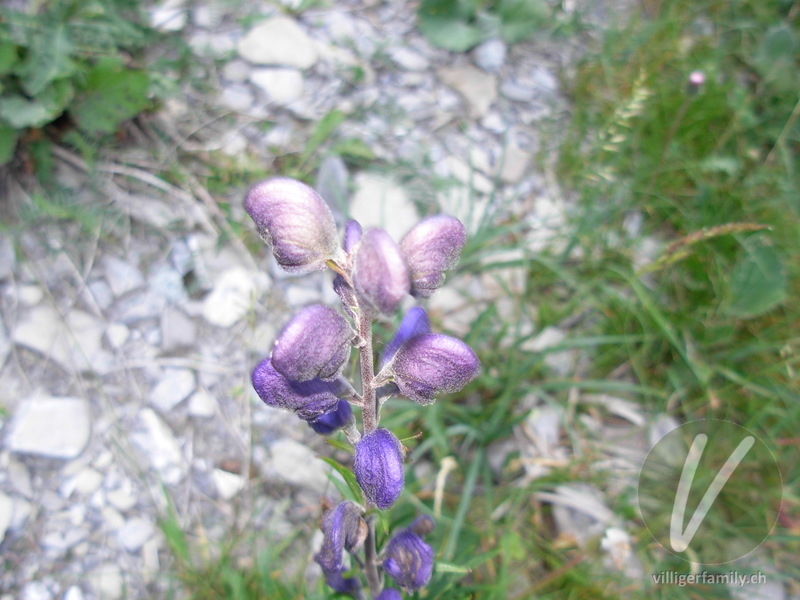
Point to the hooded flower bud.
(347, 295)
(315, 343)
(352, 235)
(430, 248)
(408, 560)
(380, 275)
(379, 467)
(389, 594)
(309, 399)
(431, 364)
(423, 525)
(330, 422)
(296, 222)
(415, 322)
(343, 529)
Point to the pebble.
(134, 533)
(169, 16)
(202, 404)
(158, 443)
(73, 593)
(122, 498)
(107, 581)
(36, 590)
(52, 427)
(177, 330)
(478, 89)
(5, 344)
(282, 86)
(228, 484)
(490, 55)
(6, 514)
(174, 387)
(117, 334)
(20, 478)
(408, 59)
(8, 259)
(278, 41)
(237, 71)
(233, 296)
(297, 464)
(237, 98)
(379, 201)
(122, 277)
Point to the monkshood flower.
(298, 224)
(430, 248)
(336, 419)
(430, 364)
(352, 236)
(308, 399)
(415, 322)
(380, 273)
(315, 343)
(408, 560)
(343, 529)
(389, 594)
(378, 467)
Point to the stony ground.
(126, 358)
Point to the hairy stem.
(371, 559)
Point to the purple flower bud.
(389, 594)
(379, 467)
(315, 343)
(408, 560)
(352, 235)
(330, 422)
(423, 525)
(380, 275)
(347, 295)
(348, 586)
(309, 399)
(432, 247)
(296, 222)
(431, 364)
(415, 322)
(343, 529)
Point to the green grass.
(705, 327)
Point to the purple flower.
(296, 222)
(431, 364)
(330, 422)
(389, 594)
(380, 273)
(352, 235)
(343, 529)
(408, 560)
(347, 295)
(415, 322)
(315, 343)
(423, 525)
(432, 247)
(309, 399)
(379, 467)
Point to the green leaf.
(354, 150)
(520, 18)
(340, 445)
(449, 24)
(8, 143)
(112, 94)
(8, 56)
(758, 280)
(349, 478)
(20, 113)
(48, 59)
(444, 567)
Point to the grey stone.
(237, 98)
(297, 465)
(158, 443)
(278, 41)
(233, 296)
(380, 201)
(5, 344)
(177, 330)
(228, 484)
(117, 334)
(29, 295)
(516, 91)
(408, 59)
(516, 164)
(282, 86)
(237, 71)
(20, 478)
(122, 498)
(107, 581)
(101, 293)
(6, 514)
(168, 282)
(36, 590)
(490, 55)
(202, 404)
(73, 593)
(8, 259)
(174, 387)
(169, 16)
(134, 533)
(122, 276)
(51, 427)
(478, 89)
(544, 81)
(145, 305)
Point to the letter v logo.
(680, 538)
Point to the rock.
(516, 164)
(233, 296)
(478, 89)
(237, 98)
(516, 91)
(5, 344)
(236, 71)
(332, 183)
(408, 59)
(117, 334)
(51, 427)
(143, 306)
(8, 259)
(177, 330)
(469, 176)
(228, 484)
(134, 533)
(282, 86)
(87, 481)
(29, 295)
(122, 498)
(74, 345)
(101, 293)
(174, 387)
(160, 446)
(544, 81)
(490, 55)
(169, 16)
(379, 201)
(278, 41)
(73, 593)
(6, 514)
(36, 590)
(168, 282)
(20, 478)
(122, 276)
(107, 582)
(202, 404)
(297, 465)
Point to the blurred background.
(628, 176)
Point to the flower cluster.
(373, 276)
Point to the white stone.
(490, 55)
(87, 481)
(134, 533)
(516, 164)
(237, 98)
(174, 387)
(117, 334)
(20, 478)
(177, 330)
(29, 295)
(22, 510)
(297, 464)
(36, 590)
(162, 449)
(228, 484)
(169, 16)
(233, 296)
(107, 581)
(468, 175)
(408, 59)
(544, 81)
(6, 514)
(5, 344)
(8, 258)
(101, 293)
(379, 201)
(282, 86)
(202, 404)
(73, 593)
(478, 89)
(237, 71)
(122, 276)
(52, 427)
(122, 498)
(278, 41)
